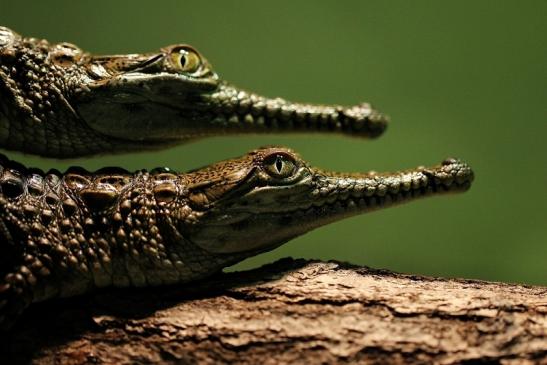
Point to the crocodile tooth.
(248, 119)
(234, 120)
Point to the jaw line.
(289, 223)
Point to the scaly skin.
(59, 101)
(63, 235)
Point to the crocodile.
(66, 234)
(59, 101)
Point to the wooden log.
(292, 311)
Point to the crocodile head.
(57, 100)
(174, 94)
(271, 195)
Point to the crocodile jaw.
(83, 104)
(238, 111)
(266, 218)
(166, 108)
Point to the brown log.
(292, 311)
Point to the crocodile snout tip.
(364, 118)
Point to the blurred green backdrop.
(465, 79)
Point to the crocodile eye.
(279, 165)
(185, 60)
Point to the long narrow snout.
(340, 195)
(237, 111)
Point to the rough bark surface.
(292, 311)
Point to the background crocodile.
(58, 101)
(62, 235)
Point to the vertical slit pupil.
(278, 164)
(182, 59)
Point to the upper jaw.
(240, 111)
(362, 192)
(256, 221)
(317, 188)
(193, 107)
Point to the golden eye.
(279, 165)
(185, 60)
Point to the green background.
(461, 78)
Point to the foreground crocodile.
(65, 234)
(58, 101)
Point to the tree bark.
(292, 311)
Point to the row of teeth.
(344, 203)
(281, 120)
(378, 186)
(242, 108)
(382, 185)
(234, 106)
